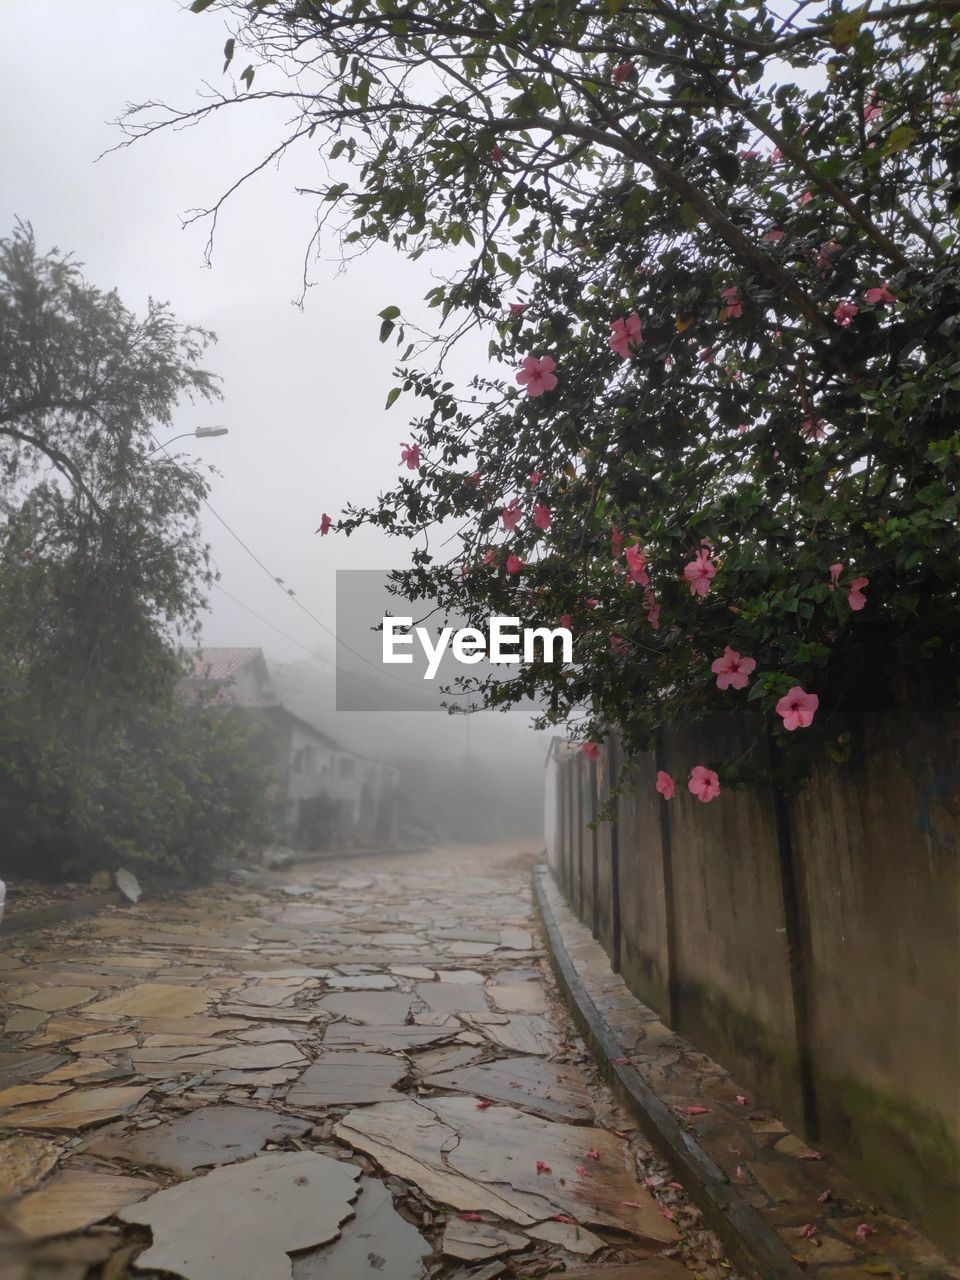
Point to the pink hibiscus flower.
(489, 557)
(325, 523)
(732, 670)
(872, 110)
(541, 516)
(622, 72)
(537, 375)
(512, 514)
(699, 573)
(514, 564)
(535, 477)
(565, 621)
(805, 198)
(619, 645)
(666, 785)
(732, 302)
(653, 610)
(703, 783)
(856, 598)
(813, 429)
(844, 313)
(410, 454)
(637, 563)
(835, 572)
(474, 478)
(773, 236)
(879, 296)
(591, 750)
(797, 708)
(626, 335)
(496, 153)
(517, 308)
(616, 541)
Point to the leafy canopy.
(771, 190)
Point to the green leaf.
(846, 29)
(198, 6)
(247, 76)
(899, 139)
(386, 329)
(392, 397)
(228, 53)
(689, 215)
(389, 313)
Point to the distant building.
(331, 797)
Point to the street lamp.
(201, 433)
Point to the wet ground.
(346, 1071)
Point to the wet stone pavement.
(345, 1071)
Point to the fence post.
(612, 770)
(795, 919)
(669, 903)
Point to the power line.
(288, 592)
(320, 657)
(314, 656)
(291, 595)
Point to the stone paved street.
(364, 1065)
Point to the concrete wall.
(810, 942)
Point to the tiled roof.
(221, 664)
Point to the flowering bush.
(722, 313)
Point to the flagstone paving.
(362, 1071)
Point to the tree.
(101, 567)
(719, 241)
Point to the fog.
(304, 390)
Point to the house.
(331, 797)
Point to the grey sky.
(304, 391)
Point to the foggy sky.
(303, 391)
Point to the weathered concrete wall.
(811, 943)
(879, 844)
(645, 961)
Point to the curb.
(43, 917)
(754, 1245)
